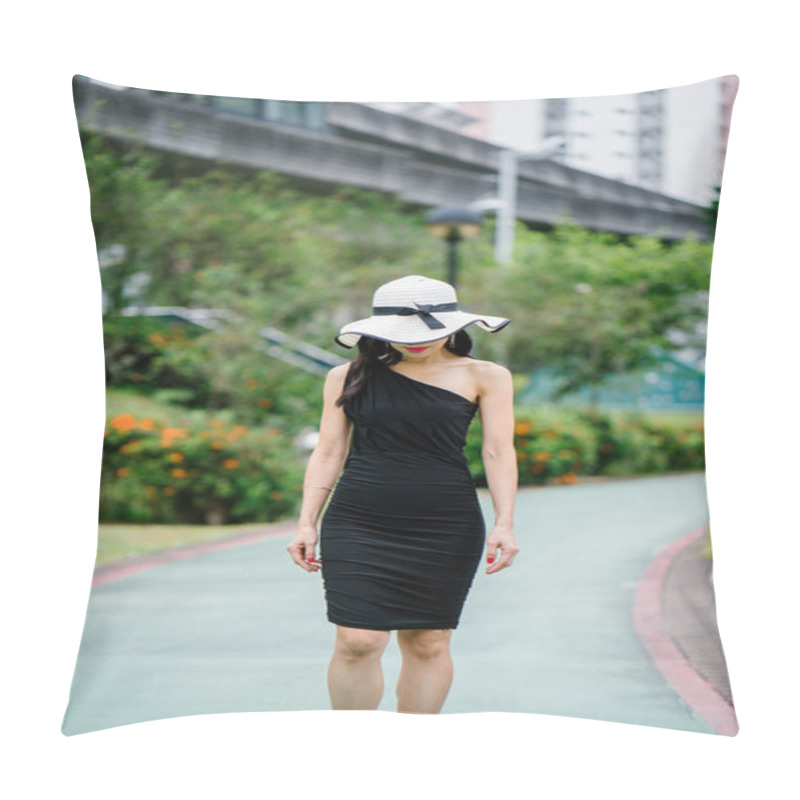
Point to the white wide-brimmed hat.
(415, 310)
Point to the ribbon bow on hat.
(424, 310)
(395, 300)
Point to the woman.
(403, 535)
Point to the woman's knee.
(359, 643)
(425, 644)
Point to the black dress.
(403, 533)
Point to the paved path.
(243, 629)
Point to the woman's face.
(420, 351)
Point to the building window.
(237, 105)
(306, 115)
(197, 99)
(290, 112)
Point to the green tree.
(590, 304)
(269, 255)
(122, 190)
(253, 248)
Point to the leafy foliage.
(591, 304)
(266, 254)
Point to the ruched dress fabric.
(403, 534)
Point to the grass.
(707, 549)
(120, 541)
(122, 401)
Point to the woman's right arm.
(323, 469)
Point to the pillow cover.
(237, 236)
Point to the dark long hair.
(374, 352)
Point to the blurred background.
(235, 236)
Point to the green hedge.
(559, 445)
(207, 469)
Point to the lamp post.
(453, 223)
(507, 180)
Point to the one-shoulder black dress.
(403, 534)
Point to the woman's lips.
(416, 349)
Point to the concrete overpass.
(362, 146)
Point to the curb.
(120, 569)
(650, 626)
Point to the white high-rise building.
(670, 140)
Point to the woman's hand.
(301, 548)
(502, 538)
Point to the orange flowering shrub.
(123, 423)
(547, 446)
(204, 471)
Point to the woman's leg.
(355, 677)
(427, 670)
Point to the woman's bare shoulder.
(339, 371)
(490, 369)
(336, 377)
(489, 373)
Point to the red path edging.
(651, 629)
(112, 572)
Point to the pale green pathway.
(244, 629)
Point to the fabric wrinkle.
(403, 533)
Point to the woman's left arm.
(500, 462)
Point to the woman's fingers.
(505, 559)
(499, 562)
(302, 553)
(296, 556)
(311, 560)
